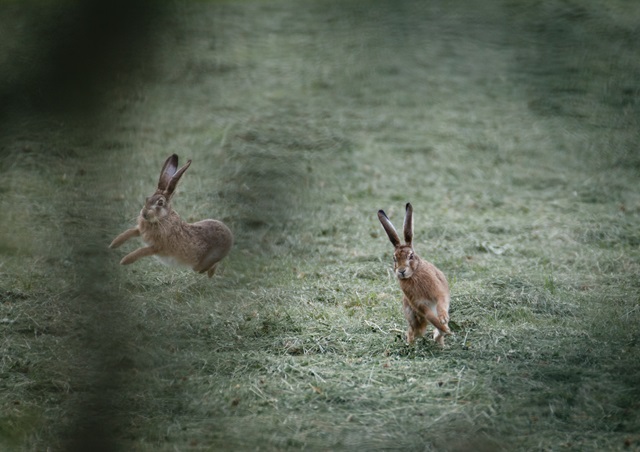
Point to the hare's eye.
(411, 256)
(160, 202)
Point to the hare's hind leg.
(417, 323)
(208, 263)
(212, 270)
(209, 271)
(207, 266)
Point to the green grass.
(512, 129)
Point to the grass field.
(512, 127)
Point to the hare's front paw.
(443, 316)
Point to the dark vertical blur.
(57, 60)
(58, 55)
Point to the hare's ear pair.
(391, 231)
(170, 175)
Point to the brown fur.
(200, 245)
(426, 291)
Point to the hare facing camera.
(426, 291)
(199, 245)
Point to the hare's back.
(214, 232)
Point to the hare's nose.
(402, 272)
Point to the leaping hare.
(200, 245)
(426, 291)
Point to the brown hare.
(426, 291)
(199, 245)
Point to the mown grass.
(513, 131)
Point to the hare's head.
(155, 207)
(405, 261)
(158, 205)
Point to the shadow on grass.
(269, 167)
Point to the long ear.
(168, 170)
(175, 178)
(408, 224)
(389, 229)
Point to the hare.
(426, 291)
(200, 245)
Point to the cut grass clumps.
(302, 120)
(515, 296)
